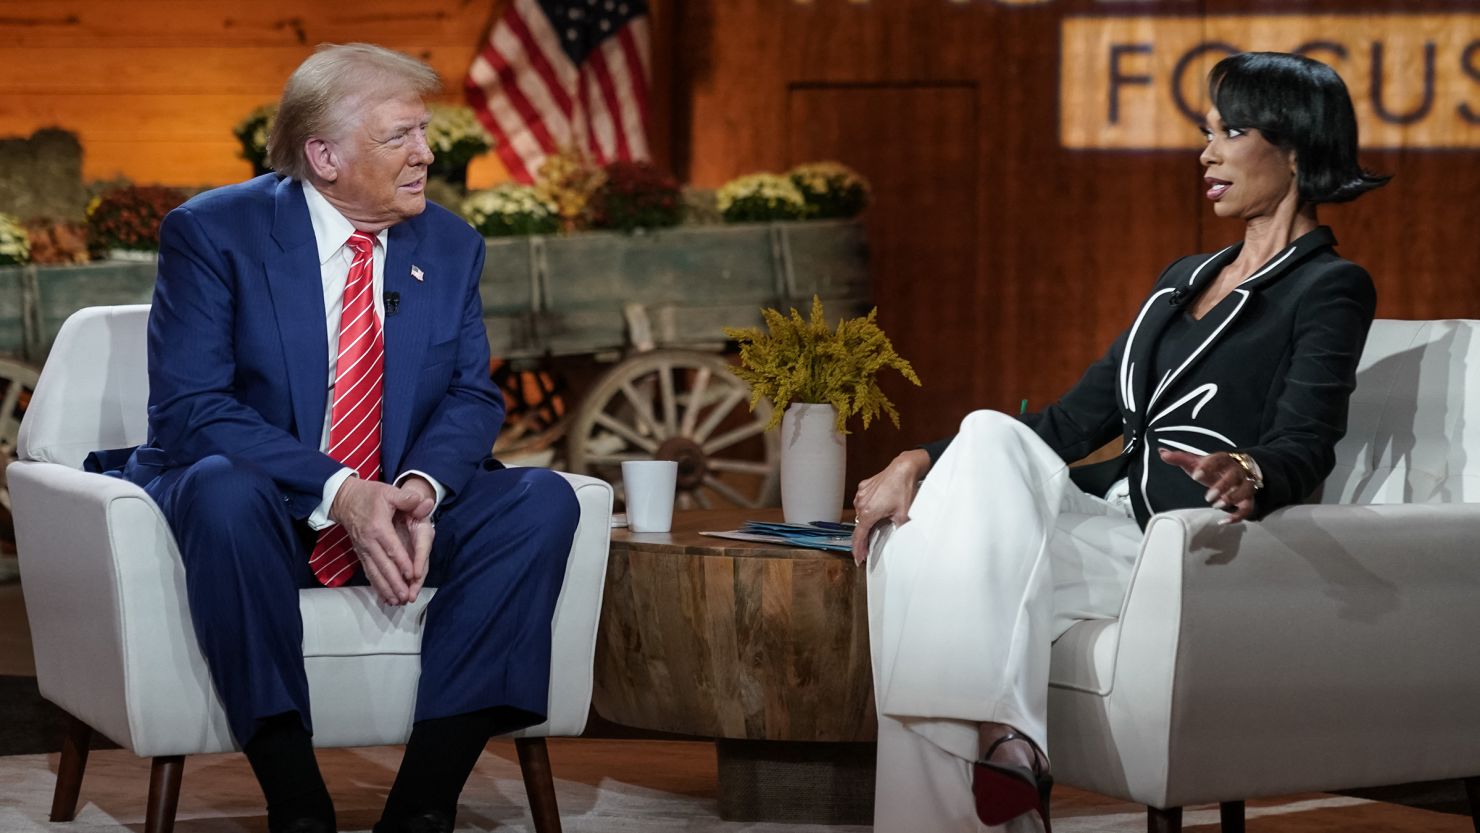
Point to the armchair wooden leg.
(1164, 821)
(69, 770)
(1231, 817)
(1472, 791)
(164, 793)
(534, 763)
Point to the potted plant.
(760, 198)
(509, 210)
(456, 137)
(831, 190)
(123, 224)
(818, 378)
(568, 179)
(252, 132)
(635, 195)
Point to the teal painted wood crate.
(557, 295)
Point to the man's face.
(382, 161)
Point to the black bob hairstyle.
(1297, 104)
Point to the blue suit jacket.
(238, 360)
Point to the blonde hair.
(320, 96)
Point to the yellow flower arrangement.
(760, 198)
(805, 360)
(568, 179)
(831, 189)
(15, 243)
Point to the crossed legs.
(1002, 554)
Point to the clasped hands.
(888, 494)
(391, 529)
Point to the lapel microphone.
(392, 303)
(1178, 296)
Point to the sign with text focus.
(1130, 83)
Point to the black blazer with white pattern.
(1267, 371)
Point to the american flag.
(560, 73)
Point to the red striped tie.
(354, 432)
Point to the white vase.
(813, 461)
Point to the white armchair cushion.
(99, 398)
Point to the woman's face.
(1247, 176)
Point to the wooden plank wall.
(153, 87)
(1004, 263)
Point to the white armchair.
(105, 593)
(1330, 646)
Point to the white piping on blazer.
(1207, 391)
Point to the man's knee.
(218, 488)
(551, 497)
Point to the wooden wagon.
(654, 303)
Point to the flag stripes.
(555, 74)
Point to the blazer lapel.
(406, 334)
(295, 285)
(1296, 253)
(1138, 388)
(1207, 330)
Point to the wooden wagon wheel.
(683, 406)
(17, 381)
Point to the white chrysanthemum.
(506, 199)
(453, 124)
(770, 187)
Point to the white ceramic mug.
(648, 486)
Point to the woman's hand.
(1229, 484)
(887, 496)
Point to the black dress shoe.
(431, 821)
(307, 825)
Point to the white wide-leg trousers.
(1002, 554)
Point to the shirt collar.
(330, 228)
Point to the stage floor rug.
(603, 787)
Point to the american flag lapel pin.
(416, 272)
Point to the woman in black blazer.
(1228, 389)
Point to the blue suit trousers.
(497, 561)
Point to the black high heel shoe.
(1005, 791)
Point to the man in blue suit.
(321, 413)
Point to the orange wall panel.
(154, 87)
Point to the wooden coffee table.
(762, 647)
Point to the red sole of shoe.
(1001, 796)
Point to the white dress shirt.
(331, 230)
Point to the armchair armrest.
(577, 613)
(105, 596)
(1333, 645)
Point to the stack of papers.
(818, 535)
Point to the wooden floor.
(689, 769)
